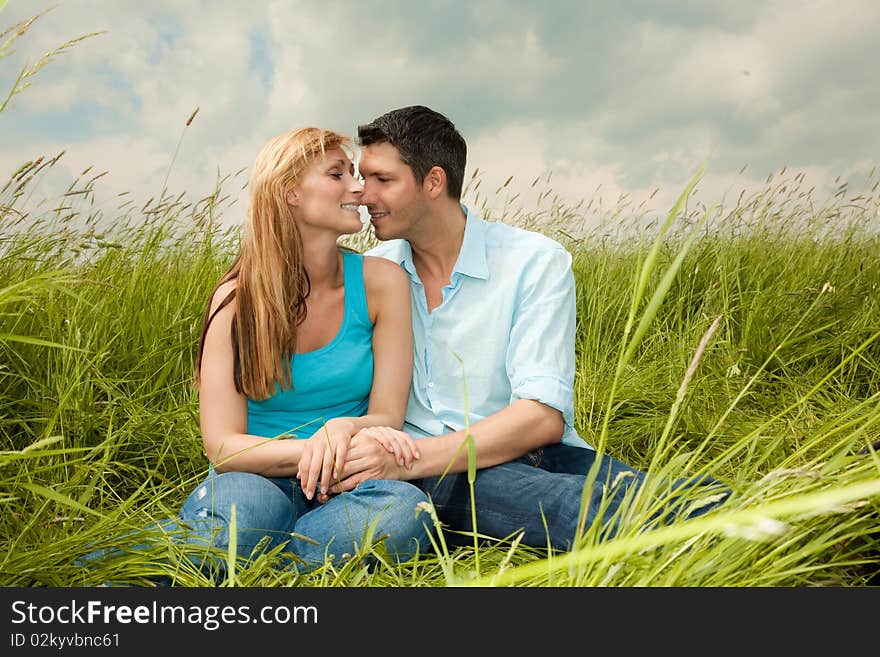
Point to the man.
(494, 328)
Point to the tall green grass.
(99, 425)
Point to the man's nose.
(368, 196)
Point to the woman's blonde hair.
(271, 280)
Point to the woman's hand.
(323, 456)
(396, 442)
(368, 459)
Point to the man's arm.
(517, 429)
(539, 364)
(513, 431)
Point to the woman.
(303, 344)
(303, 340)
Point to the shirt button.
(430, 384)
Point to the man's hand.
(323, 455)
(368, 458)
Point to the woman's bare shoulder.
(383, 272)
(386, 283)
(221, 293)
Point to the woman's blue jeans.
(273, 511)
(546, 486)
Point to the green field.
(742, 341)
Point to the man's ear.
(435, 182)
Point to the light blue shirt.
(508, 313)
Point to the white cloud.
(516, 61)
(539, 179)
(790, 84)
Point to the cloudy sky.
(608, 97)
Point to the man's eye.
(338, 176)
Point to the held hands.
(323, 456)
(376, 453)
(398, 443)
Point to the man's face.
(393, 198)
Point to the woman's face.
(328, 195)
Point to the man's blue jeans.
(271, 511)
(547, 485)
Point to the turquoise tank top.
(333, 381)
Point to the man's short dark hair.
(424, 138)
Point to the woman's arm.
(223, 410)
(388, 297)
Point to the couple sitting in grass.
(344, 395)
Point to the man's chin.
(382, 234)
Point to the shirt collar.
(472, 256)
(405, 259)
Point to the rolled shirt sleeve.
(540, 356)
